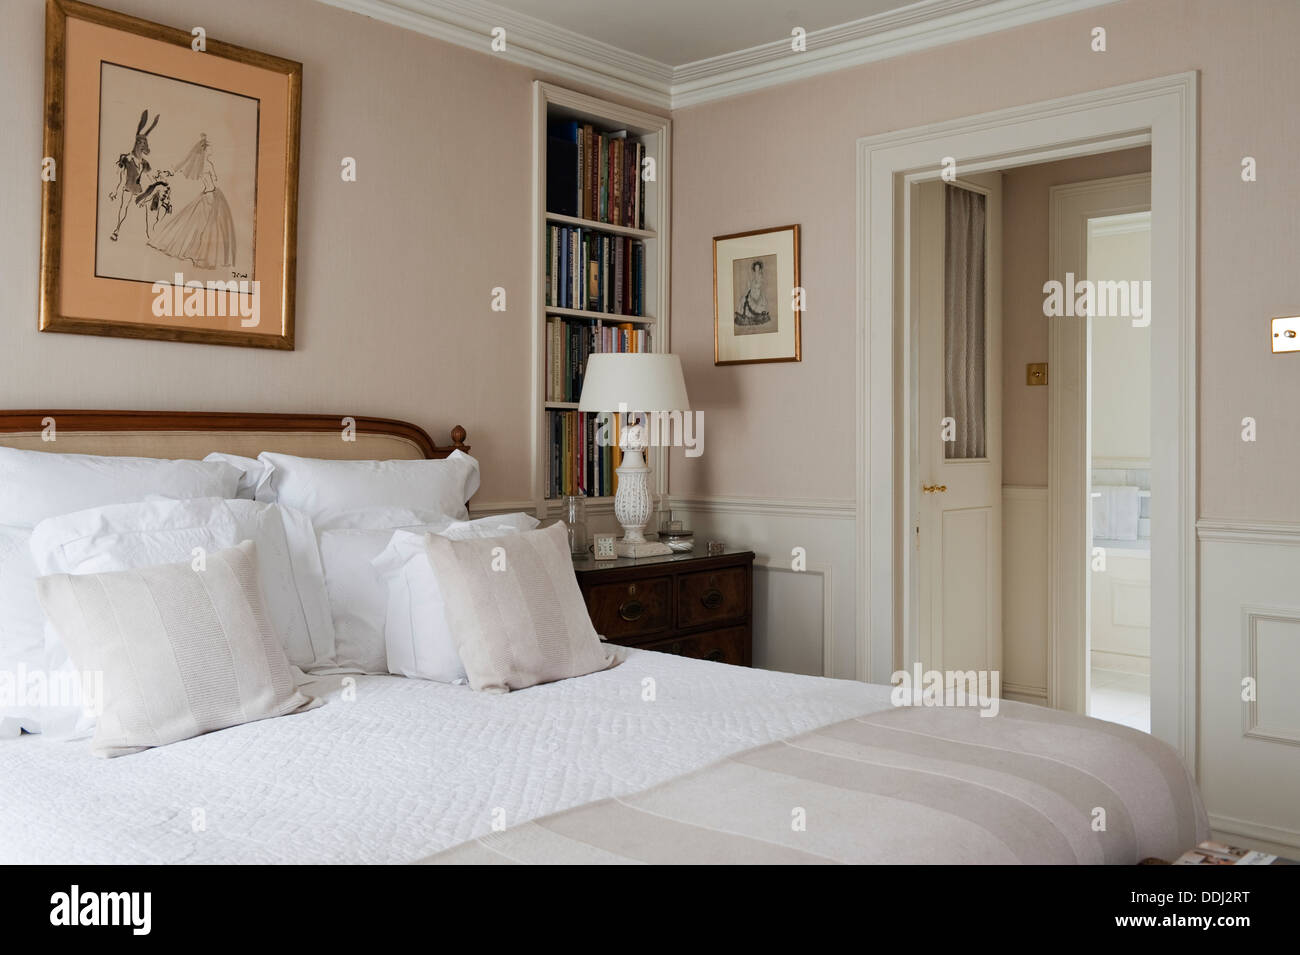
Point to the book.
(1216, 853)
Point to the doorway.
(1100, 465)
(1119, 424)
(1160, 112)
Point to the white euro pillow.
(126, 536)
(357, 594)
(318, 486)
(35, 485)
(417, 638)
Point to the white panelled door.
(957, 502)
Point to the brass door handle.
(934, 488)
(631, 610)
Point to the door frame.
(1161, 112)
(1069, 439)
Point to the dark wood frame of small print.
(57, 13)
(798, 330)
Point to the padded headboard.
(194, 434)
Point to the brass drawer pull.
(631, 610)
(712, 598)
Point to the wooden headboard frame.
(218, 421)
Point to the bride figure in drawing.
(753, 308)
(204, 231)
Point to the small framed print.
(757, 299)
(604, 547)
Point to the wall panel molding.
(1248, 532)
(772, 528)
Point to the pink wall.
(787, 155)
(1025, 238)
(395, 270)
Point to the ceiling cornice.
(915, 27)
(563, 53)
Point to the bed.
(716, 764)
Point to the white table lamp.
(636, 382)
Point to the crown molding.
(917, 26)
(562, 53)
(530, 42)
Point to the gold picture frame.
(182, 232)
(757, 299)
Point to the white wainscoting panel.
(1250, 628)
(803, 620)
(1024, 594)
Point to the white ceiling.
(684, 31)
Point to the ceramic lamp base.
(632, 505)
(641, 549)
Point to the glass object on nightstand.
(575, 519)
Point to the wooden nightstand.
(690, 604)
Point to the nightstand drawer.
(712, 596)
(633, 609)
(721, 646)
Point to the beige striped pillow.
(181, 651)
(515, 610)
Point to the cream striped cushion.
(515, 610)
(181, 651)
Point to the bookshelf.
(616, 295)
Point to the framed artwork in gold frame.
(170, 199)
(757, 298)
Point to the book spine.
(592, 173)
(557, 476)
(617, 164)
(638, 218)
(604, 177)
(582, 171)
(575, 269)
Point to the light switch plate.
(1286, 334)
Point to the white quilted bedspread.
(405, 770)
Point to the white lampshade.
(639, 381)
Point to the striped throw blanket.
(907, 785)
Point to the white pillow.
(182, 651)
(22, 640)
(126, 536)
(349, 543)
(417, 638)
(35, 485)
(316, 485)
(255, 472)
